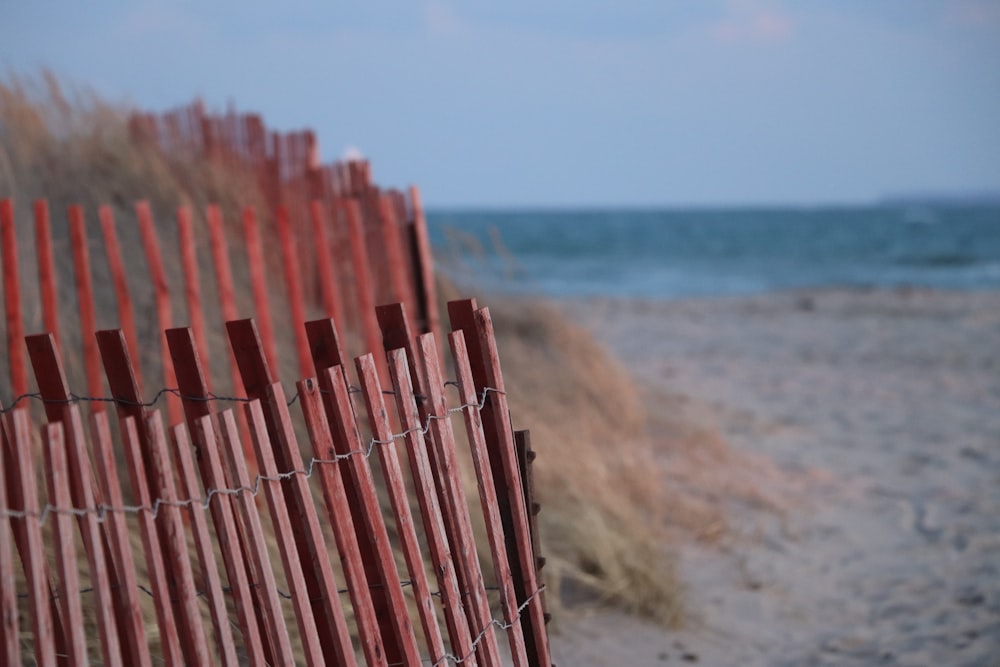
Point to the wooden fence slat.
(132, 630)
(455, 506)
(194, 643)
(129, 403)
(378, 420)
(35, 559)
(10, 639)
(329, 286)
(119, 278)
(212, 584)
(521, 542)
(85, 302)
(345, 431)
(327, 353)
(164, 310)
(47, 282)
(95, 540)
(238, 569)
(260, 560)
(192, 283)
(51, 381)
(259, 384)
(426, 284)
(427, 497)
(258, 284)
(487, 497)
(63, 543)
(196, 401)
(362, 273)
(227, 303)
(270, 483)
(12, 300)
(170, 643)
(293, 286)
(339, 514)
(15, 501)
(463, 318)
(393, 243)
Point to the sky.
(571, 102)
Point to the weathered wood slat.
(430, 510)
(309, 542)
(260, 561)
(170, 643)
(293, 289)
(54, 446)
(10, 639)
(270, 484)
(47, 281)
(238, 570)
(33, 557)
(95, 539)
(521, 543)
(119, 278)
(132, 631)
(211, 582)
(329, 287)
(328, 354)
(258, 284)
(85, 302)
(378, 420)
(12, 299)
(192, 283)
(194, 642)
(487, 496)
(339, 514)
(161, 291)
(455, 506)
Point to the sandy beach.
(880, 410)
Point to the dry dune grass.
(609, 501)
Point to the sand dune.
(881, 410)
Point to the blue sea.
(699, 252)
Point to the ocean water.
(676, 253)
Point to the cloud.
(748, 21)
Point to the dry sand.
(881, 410)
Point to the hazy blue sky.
(576, 102)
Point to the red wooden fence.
(206, 523)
